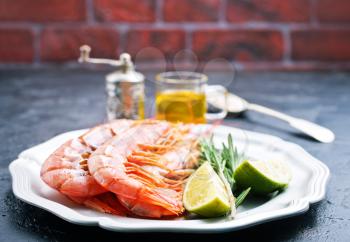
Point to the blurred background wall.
(255, 34)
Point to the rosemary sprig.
(224, 163)
(232, 159)
(242, 196)
(225, 160)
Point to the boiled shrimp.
(66, 169)
(105, 203)
(142, 167)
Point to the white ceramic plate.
(308, 186)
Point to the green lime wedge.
(263, 177)
(205, 193)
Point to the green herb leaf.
(232, 158)
(224, 163)
(242, 196)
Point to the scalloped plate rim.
(298, 207)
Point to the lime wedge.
(205, 193)
(263, 177)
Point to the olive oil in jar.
(181, 106)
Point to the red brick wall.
(258, 34)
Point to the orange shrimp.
(142, 167)
(178, 152)
(105, 203)
(66, 169)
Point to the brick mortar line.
(267, 65)
(90, 12)
(19, 25)
(313, 16)
(159, 11)
(122, 30)
(287, 45)
(226, 26)
(307, 65)
(186, 25)
(188, 40)
(222, 11)
(36, 44)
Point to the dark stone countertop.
(36, 105)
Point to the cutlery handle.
(316, 131)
